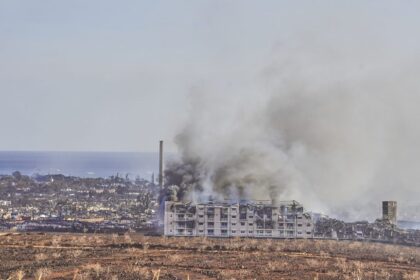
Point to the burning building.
(238, 219)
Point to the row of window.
(211, 216)
(259, 232)
(234, 216)
(180, 216)
(211, 224)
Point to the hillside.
(92, 256)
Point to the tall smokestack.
(161, 164)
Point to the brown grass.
(84, 256)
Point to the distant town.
(66, 203)
(118, 204)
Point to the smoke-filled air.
(338, 131)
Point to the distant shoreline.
(82, 164)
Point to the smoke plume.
(335, 134)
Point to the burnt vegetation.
(133, 256)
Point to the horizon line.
(81, 151)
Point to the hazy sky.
(118, 75)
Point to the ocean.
(81, 164)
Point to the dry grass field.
(93, 256)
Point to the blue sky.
(118, 75)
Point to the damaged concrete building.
(389, 211)
(285, 219)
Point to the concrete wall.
(389, 211)
(251, 219)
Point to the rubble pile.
(380, 231)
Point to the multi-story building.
(238, 219)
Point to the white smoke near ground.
(335, 134)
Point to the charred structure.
(389, 211)
(285, 219)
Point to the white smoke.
(338, 135)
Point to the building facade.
(389, 211)
(244, 219)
